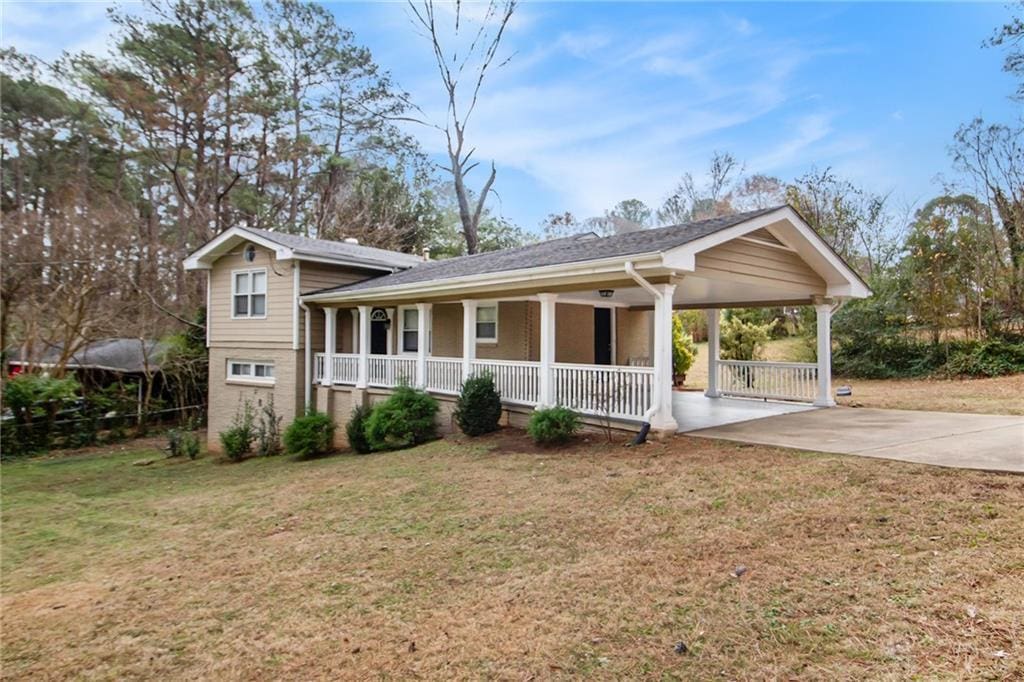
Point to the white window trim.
(497, 326)
(266, 294)
(252, 378)
(401, 328)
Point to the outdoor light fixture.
(606, 293)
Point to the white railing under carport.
(797, 381)
(604, 390)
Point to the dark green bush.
(986, 359)
(478, 408)
(237, 439)
(403, 420)
(553, 425)
(310, 435)
(355, 430)
(182, 442)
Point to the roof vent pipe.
(351, 240)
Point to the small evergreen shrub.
(478, 408)
(553, 425)
(403, 420)
(183, 442)
(355, 430)
(237, 439)
(684, 350)
(310, 435)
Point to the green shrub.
(34, 401)
(182, 442)
(237, 439)
(478, 408)
(684, 350)
(355, 430)
(403, 420)
(986, 359)
(310, 435)
(742, 340)
(553, 425)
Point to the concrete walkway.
(969, 441)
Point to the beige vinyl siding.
(632, 335)
(314, 276)
(743, 261)
(275, 330)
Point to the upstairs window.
(249, 293)
(487, 323)
(410, 330)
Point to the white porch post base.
(662, 419)
(330, 344)
(824, 314)
(547, 396)
(714, 352)
(363, 374)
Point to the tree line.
(221, 113)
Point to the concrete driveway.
(970, 441)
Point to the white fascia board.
(852, 286)
(481, 283)
(203, 257)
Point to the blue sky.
(608, 101)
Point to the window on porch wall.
(410, 330)
(487, 323)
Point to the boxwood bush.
(403, 420)
(478, 408)
(310, 435)
(553, 425)
(355, 430)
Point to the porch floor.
(694, 411)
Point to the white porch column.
(363, 375)
(468, 337)
(422, 342)
(714, 352)
(824, 399)
(548, 307)
(330, 344)
(662, 419)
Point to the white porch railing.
(391, 370)
(773, 380)
(517, 381)
(604, 390)
(345, 370)
(444, 375)
(599, 390)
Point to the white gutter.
(603, 266)
(644, 284)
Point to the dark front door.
(378, 338)
(602, 336)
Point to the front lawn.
(487, 560)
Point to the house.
(583, 321)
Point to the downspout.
(645, 427)
(307, 364)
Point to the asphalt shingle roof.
(314, 247)
(117, 355)
(573, 249)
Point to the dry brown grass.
(485, 560)
(998, 395)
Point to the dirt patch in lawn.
(485, 559)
